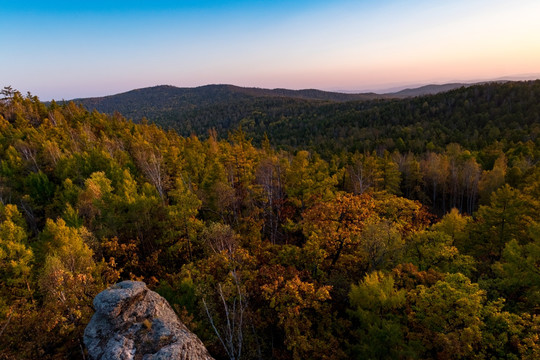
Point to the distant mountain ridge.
(430, 89)
(166, 97)
(224, 92)
(194, 110)
(166, 102)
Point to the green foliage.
(308, 177)
(376, 309)
(508, 335)
(434, 250)
(445, 317)
(454, 225)
(517, 273)
(508, 217)
(15, 258)
(40, 189)
(181, 294)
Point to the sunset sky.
(68, 49)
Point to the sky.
(72, 49)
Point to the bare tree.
(29, 153)
(269, 176)
(364, 173)
(151, 161)
(230, 333)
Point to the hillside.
(158, 102)
(473, 116)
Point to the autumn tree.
(333, 229)
(69, 280)
(435, 171)
(16, 283)
(492, 179)
(301, 308)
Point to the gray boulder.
(134, 323)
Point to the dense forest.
(474, 116)
(384, 229)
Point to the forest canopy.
(368, 250)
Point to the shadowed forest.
(295, 229)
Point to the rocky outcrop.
(134, 323)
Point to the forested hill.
(472, 116)
(159, 103)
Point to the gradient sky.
(68, 49)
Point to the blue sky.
(68, 49)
